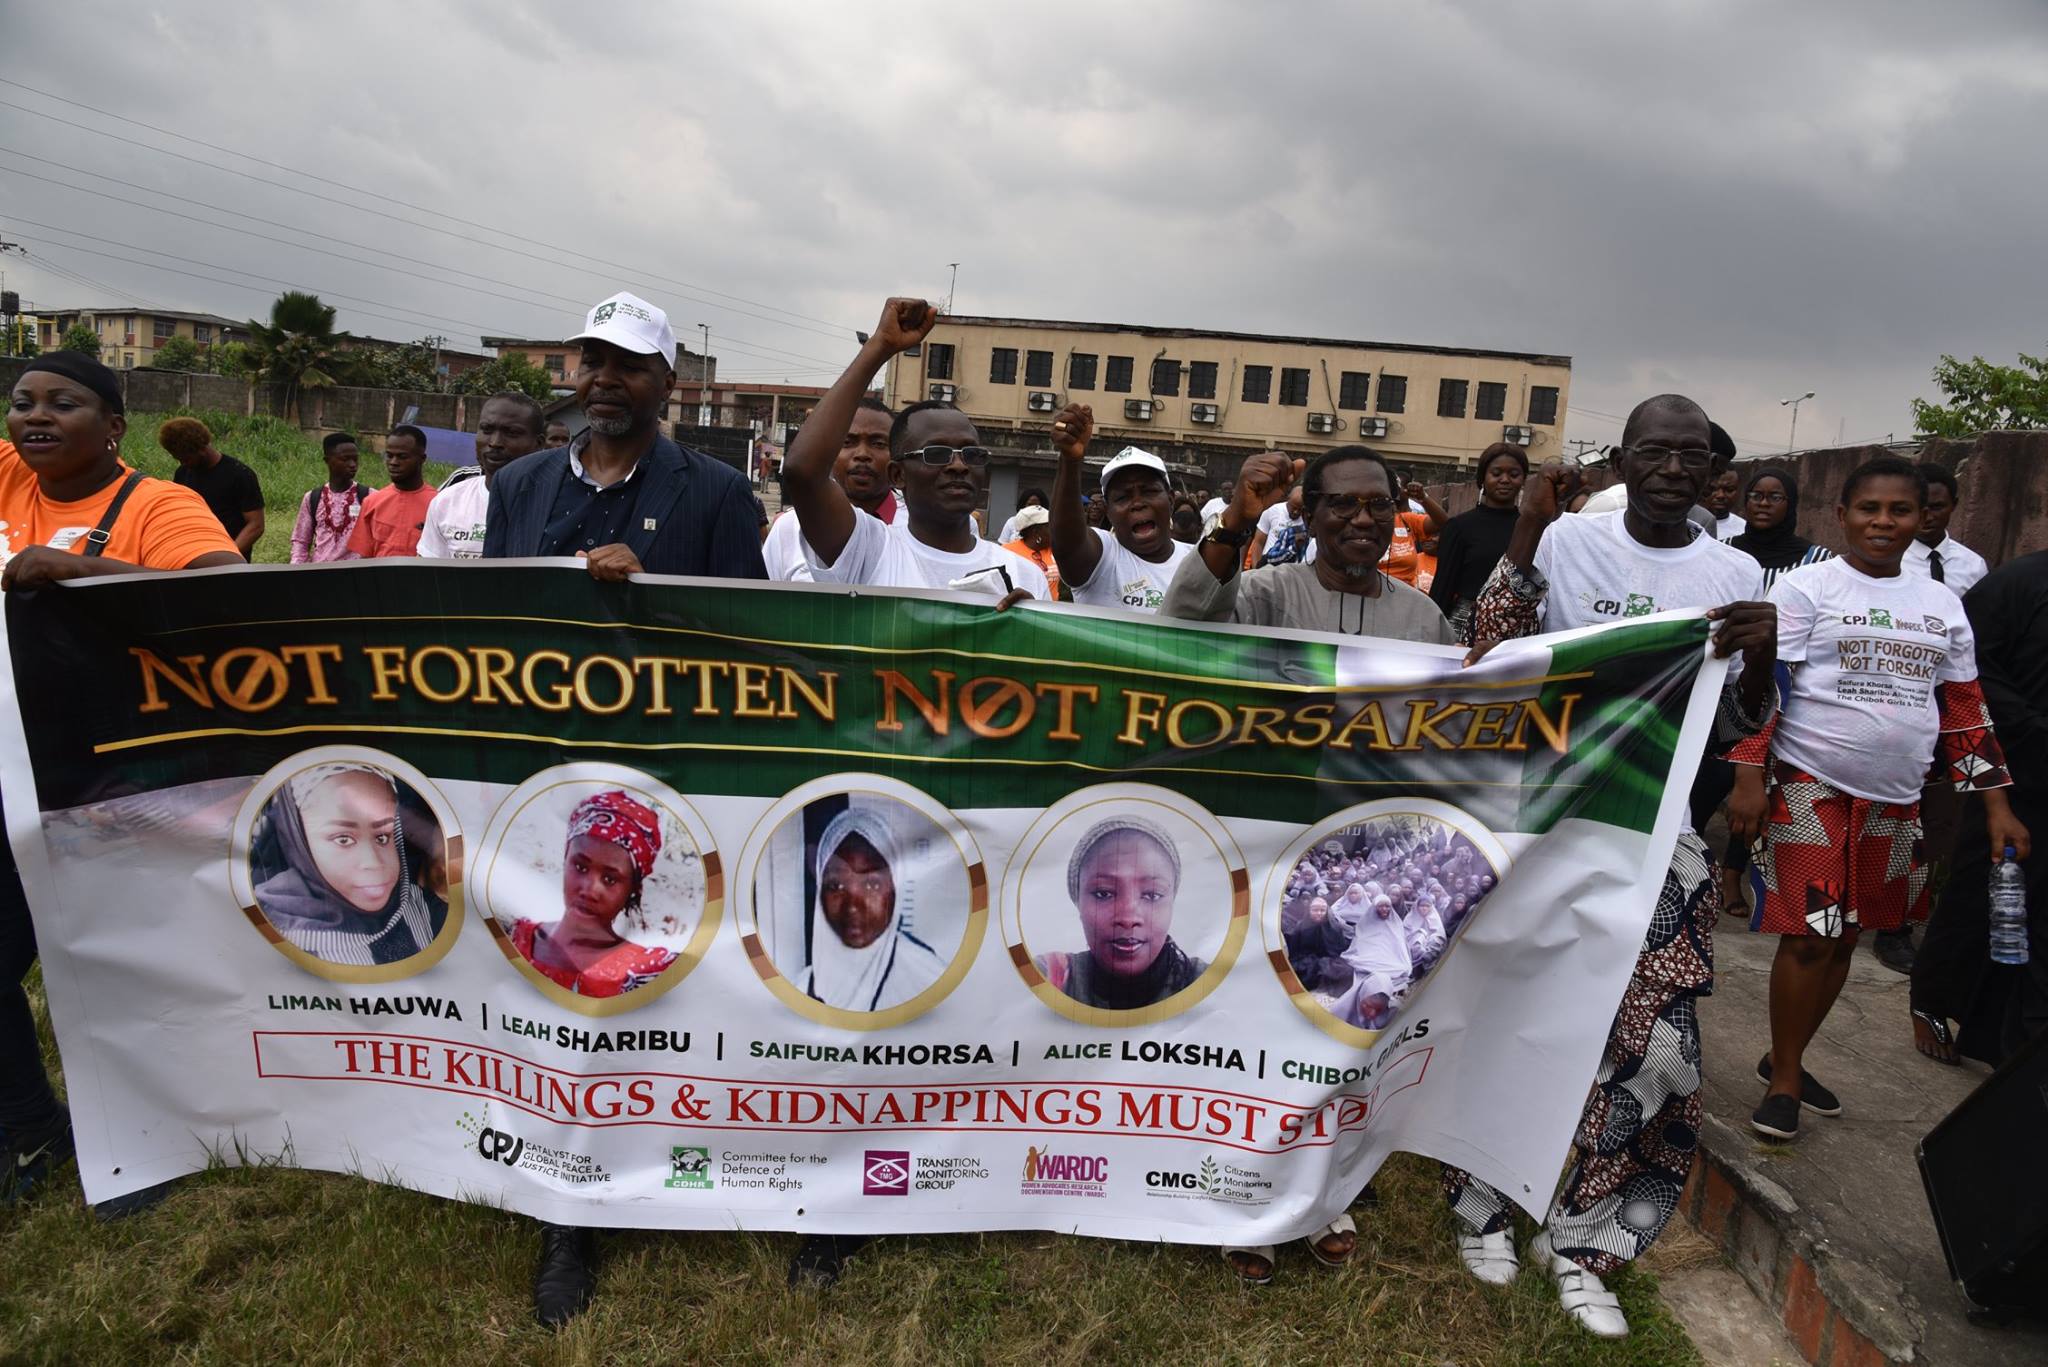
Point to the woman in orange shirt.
(68, 509)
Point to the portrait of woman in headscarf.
(1381, 966)
(333, 870)
(613, 841)
(1123, 876)
(862, 955)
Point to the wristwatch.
(1222, 536)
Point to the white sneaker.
(1491, 1257)
(1584, 1296)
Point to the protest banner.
(710, 905)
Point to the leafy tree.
(232, 359)
(1983, 396)
(406, 367)
(298, 346)
(507, 372)
(21, 340)
(179, 353)
(79, 337)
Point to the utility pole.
(10, 305)
(951, 280)
(1793, 436)
(1580, 446)
(704, 378)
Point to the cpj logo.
(1064, 1174)
(886, 1172)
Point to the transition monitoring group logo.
(885, 1172)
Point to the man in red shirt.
(393, 517)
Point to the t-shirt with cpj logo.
(1866, 656)
(1598, 573)
(1122, 580)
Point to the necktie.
(1934, 567)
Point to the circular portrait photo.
(1372, 902)
(864, 900)
(600, 885)
(350, 864)
(1125, 899)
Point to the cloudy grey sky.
(1742, 201)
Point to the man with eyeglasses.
(938, 461)
(1641, 1123)
(1130, 564)
(1349, 498)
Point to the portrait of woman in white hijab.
(1381, 965)
(863, 957)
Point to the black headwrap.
(82, 369)
(1781, 547)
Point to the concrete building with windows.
(130, 335)
(1206, 399)
(558, 359)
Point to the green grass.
(286, 460)
(267, 1264)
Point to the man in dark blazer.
(628, 501)
(622, 496)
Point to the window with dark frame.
(1166, 376)
(1294, 387)
(1202, 379)
(163, 329)
(1493, 402)
(1118, 378)
(1002, 365)
(1352, 388)
(202, 333)
(938, 361)
(556, 363)
(1038, 368)
(1450, 398)
(1258, 384)
(1543, 405)
(1081, 370)
(1393, 394)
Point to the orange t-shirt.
(161, 527)
(391, 522)
(1402, 559)
(1043, 559)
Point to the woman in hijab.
(613, 842)
(343, 889)
(1770, 514)
(1123, 876)
(863, 958)
(1381, 964)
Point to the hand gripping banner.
(709, 905)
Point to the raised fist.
(1072, 429)
(905, 323)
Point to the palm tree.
(298, 346)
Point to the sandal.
(1247, 1263)
(1932, 1037)
(1344, 1232)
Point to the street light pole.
(704, 378)
(951, 280)
(1793, 436)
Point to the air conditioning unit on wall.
(1372, 427)
(941, 393)
(1322, 424)
(1203, 413)
(1042, 401)
(1140, 410)
(1517, 436)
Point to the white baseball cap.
(1128, 458)
(632, 324)
(1031, 517)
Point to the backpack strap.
(96, 540)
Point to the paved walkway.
(1834, 1231)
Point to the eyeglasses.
(1768, 500)
(1347, 506)
(1692, 457)
(936, 454)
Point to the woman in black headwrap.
(1123, 875)
(338, 878)
(1770, 513)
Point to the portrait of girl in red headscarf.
(613, 842)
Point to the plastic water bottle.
(2008, 911)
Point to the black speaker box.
(1986, 1171)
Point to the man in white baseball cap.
(1129, 565)
(621, 496)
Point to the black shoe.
(134, 1203)
(1894, 949)
(1777, 1118)
(1812, 1095)
(28, 1157)
(566, 1275)
(821, 1258)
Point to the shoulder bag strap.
(96, 540)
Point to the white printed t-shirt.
(1865, 656)
(454, 527)
(885, 559)
(1125, 580)
(783, 550)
